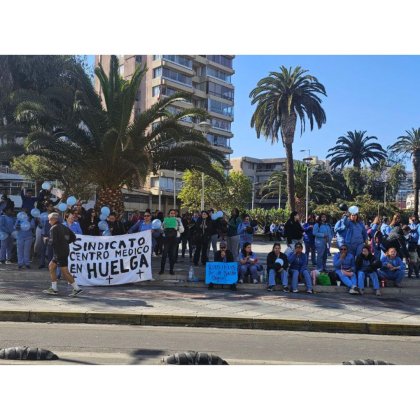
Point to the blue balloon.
(35, 212)
(25, 225)
(103, 225)
(102, 216)
(219, 214)
(3, 236)
(14, 234)
(22, 216)
(156, 224)
(46, 185)
(44, 216)
(213, 216)
(106, 211)
(62, 207)
(107, 233)
(71, 201)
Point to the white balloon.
(353, 210)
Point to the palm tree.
(354, 147)
(409, 145)
(281, 99)
(109, 145)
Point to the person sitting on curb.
(299, 266)
(277, 265)
(393, 267)
(344, 267)
(248, 264)
(224, 256)
(367, 265)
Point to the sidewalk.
(167, 302)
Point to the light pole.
(280, 194)
(307, 160)
(385, 179)
(174, 184)
(160, 194)
(253, 194)
(204, 127)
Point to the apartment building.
(208, 79)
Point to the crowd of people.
(374, 250)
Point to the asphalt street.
(138, 345)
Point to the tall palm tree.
(355, 147)
(281, 99)
(109, 145)
(409, 145)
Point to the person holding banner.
(223, 256)
(116, 227)
(171, 230)
(60, 238)
(72, 224)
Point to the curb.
(91, 317)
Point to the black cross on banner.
(140, 273)
(109, 279)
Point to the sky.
(379, 94)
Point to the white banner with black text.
(111, 260)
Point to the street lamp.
(307, 160)
(384, 177)
(204, 127)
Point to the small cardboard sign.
(221, 273)
(170, 223)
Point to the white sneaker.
(255, 281)
(353, 291)
(240, 281)
(378, 293)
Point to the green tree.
(282, 98)
(355, 148)
(235, 192)
(108, 145)
(409, 145)
(322, 186)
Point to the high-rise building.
(207, 78)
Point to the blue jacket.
(75, 227)
(385, 229)
(308, 235)
(24, 234)
(140, 226)
(355, 233)
(340, 229)
(396, 262)
(320, 230)
(7, 224)
(246, 237)
(347, 264)
(299, 263)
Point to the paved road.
(108, 344)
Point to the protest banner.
(111, 260)
(221, 273)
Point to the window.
(121, 70)
(177, 77)
(220, 124)
(177, 59)
(174, 110)
(217, 140)
(156, 91)
(221, 91)
(220, 59)
(157, 72)
(218, 74)
(220, 108)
